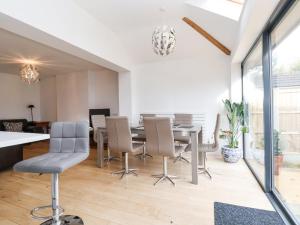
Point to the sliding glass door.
(253, 95)
(285, 80)
(271, 94)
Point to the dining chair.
(183, 119)
(99, 121)
(144, 115)
(120, 140)
(160, 141)
(205, 148)
(142, 137)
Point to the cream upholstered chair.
(183, 119)
(142, 138)
(99, 121)
(145, 115)
(160, 141)
(204, 148)
(120, 140)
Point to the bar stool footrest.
(38, 217)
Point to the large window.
(253, 100)
(285, 48)
(271, 93)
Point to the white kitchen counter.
(18, 138)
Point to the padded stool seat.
(50, 162)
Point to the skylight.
(227, 8)
(241, 2)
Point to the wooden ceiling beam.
(207, 35)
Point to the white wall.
(48, 99)
(125, 95)
(72, 96)
(103, 90)
(253, 18)
(195, 85)
(236, 83)
(15, 95)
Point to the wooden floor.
(102, 199)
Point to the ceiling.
(133, 21)
(14, 49)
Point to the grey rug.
(227, 214)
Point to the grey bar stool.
(160, 141)
(69, 145)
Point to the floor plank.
(103, 199)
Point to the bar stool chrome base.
(66, 220)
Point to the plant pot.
(278, 160)
(231, 155)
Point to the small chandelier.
(29, 73)
(163, 40)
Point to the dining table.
(197, 158)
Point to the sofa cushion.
(23, 121)
(13, 126)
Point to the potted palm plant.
(235, 115)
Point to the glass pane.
(285, 41)
(253, 99)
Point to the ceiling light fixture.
(29, 73)
(163, 39)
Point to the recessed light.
(29, 61)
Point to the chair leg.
(110, 158)
(126, 170)
(181, 158)
(165, 175)
(57, 217)
(55, 199)
(204, 169)
(143, 155)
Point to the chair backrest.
(183, 119)
(119, 134)
(97, 121)
(145, 115)
(159, 136)
(69, 137)
(148, 115)
(216, 132)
